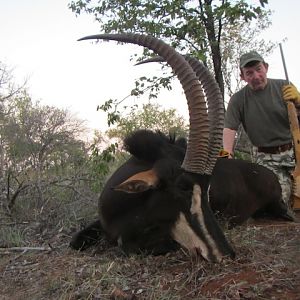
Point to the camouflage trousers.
(282, 165)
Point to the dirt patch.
(267, 266)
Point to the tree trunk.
(214, 41)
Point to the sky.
(39, 42)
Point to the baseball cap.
(248, 57)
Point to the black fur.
(87, 237)
(151, 146)
(240, 189)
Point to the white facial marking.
(184, 235)
(197, 209)
(196, 200)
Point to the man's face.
(255, 75)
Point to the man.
(261, 108)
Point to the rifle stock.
(294, 125)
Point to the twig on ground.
(14, 223)
(22, 249)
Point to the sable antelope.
(157, 203)
(236, 192)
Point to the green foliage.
(152, 85)
(179, 19)
(110, 106)
(194, 27)
(149, 116)
(100, 162)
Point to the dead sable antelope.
(154, 203)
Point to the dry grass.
(267, 267)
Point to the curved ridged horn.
(215, 105)
(197, 148)
(215, 110)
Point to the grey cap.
(248, 57)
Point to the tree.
(8, 88)
(40, 146)
(104, 157)
(48, 172)
(149, 116)
(194, 27)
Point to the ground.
(267, 266)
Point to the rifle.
(294, 125)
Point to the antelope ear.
(140, 182)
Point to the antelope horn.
(197, 148)
(215, 105)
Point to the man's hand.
(225, 154)
(290, 93)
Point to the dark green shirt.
(263, 114)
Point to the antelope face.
(196, 228)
